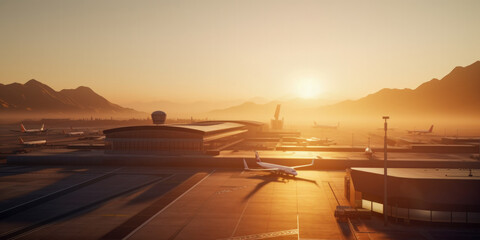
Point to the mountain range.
(34, 98)
(456, 94)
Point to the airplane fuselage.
(35, 143)
(420, 132)
(33, 131)
(38, 130)
(75, 133)
(284, 169)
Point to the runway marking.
(163, 209)
(333, 192)
(230, 189)
(265, 235)
(239, 219)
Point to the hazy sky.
(190, 50)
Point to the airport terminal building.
(421, 194)
(208, 137)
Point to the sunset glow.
(308, 89)
(239, 119)
(196, 52)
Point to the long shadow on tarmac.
(158, 189)
(74, 176)
(61, 182)
(273, 178)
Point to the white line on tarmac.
(239, 219)
(156, 214)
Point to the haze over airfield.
(222, 50)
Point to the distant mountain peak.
(455, 94)
(33, 82)
(37, 97)
(84, 89)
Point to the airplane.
(315, 125)
(37, 130)
(313, 141)
(419, 132)
(275, 167)
(32, 143)
(369, 152)
(79, 133)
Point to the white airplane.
(275, 167)
(369, 152)
(37, 130)
(419, 132)
(313, 141)
(33, 143)
(79, 133)
(315, 125)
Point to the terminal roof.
(426, 173)
(201, 128)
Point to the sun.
(308, 89)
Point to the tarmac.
(234, 159)
(109, 202)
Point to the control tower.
(276, 123)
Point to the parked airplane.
(37, 130)
(33, 143)
(78, 133)
(275, 167)
(369, 152)
(313, 141)
(419, 132)
(315, 125)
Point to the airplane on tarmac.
(37, 130)
(275, 167)
(420, 132)
(33, 143)
(313, 141)
(77, 133)
(315, 125)
(369, 152)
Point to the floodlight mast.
(385, 215)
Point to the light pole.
(385, 220)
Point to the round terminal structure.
(159, 117)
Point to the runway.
(155, 203)
(245, 205)
(103, 202)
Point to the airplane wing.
(261, 169)
(245, 167)
(306, 165)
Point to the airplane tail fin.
(22, 128)
(21, 140)
(257, 157)
(431, 129)
(245, 166)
